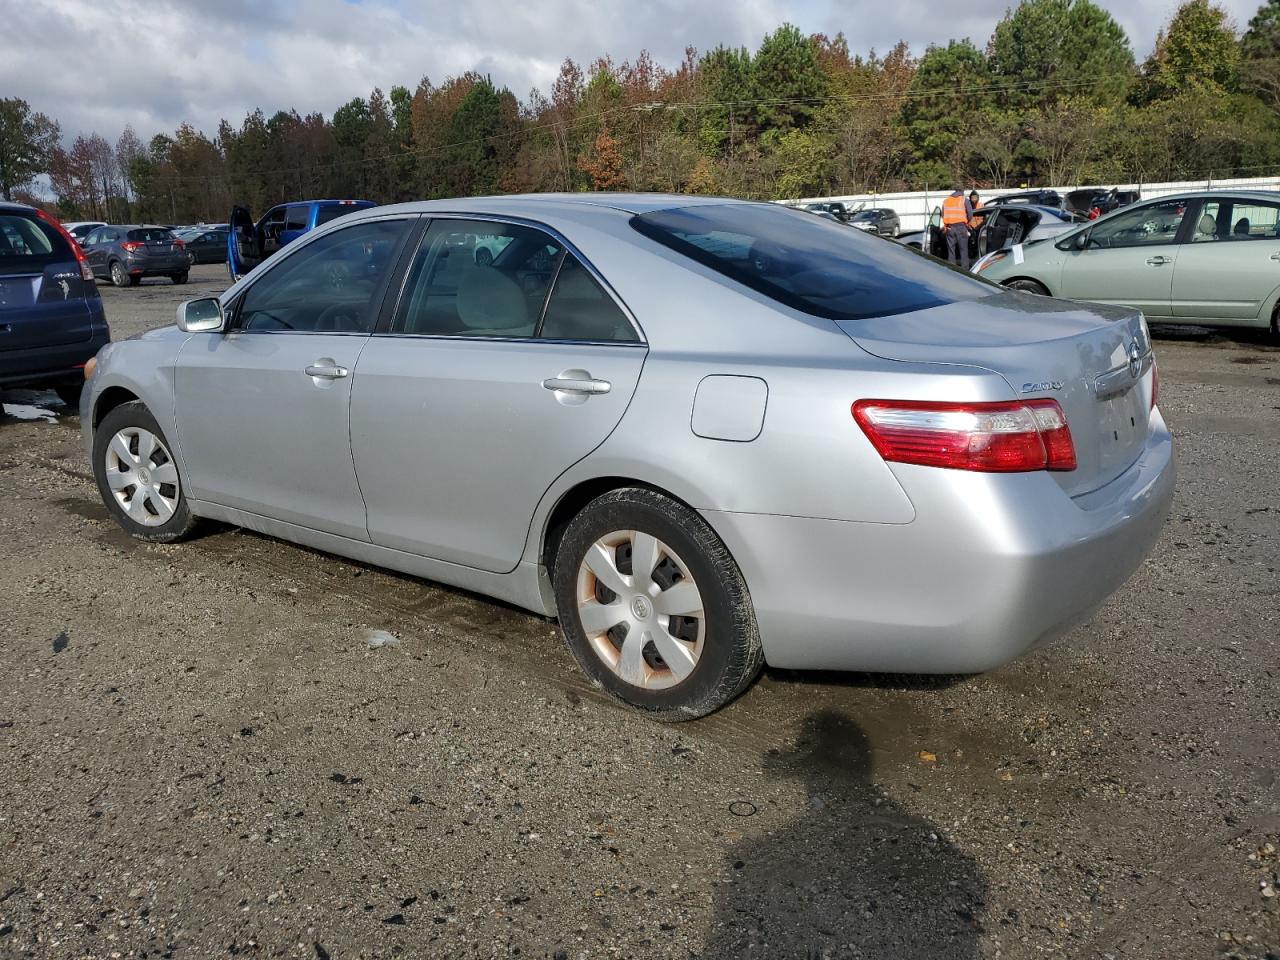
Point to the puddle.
(26, 411)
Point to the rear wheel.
(138, 477)
(653, 607)
(191, 257)
(179, 277)
(1028, 286)
(119, 276)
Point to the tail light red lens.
(1155, 383)
(177, 242)
(86, 271)
(131, 245)
(1003, 437)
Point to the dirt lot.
(202, 756)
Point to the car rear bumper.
(40, 365)
(157, 266)
(992, 566)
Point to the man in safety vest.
(956, 214)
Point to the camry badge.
(1042, 386)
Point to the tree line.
(1056, 96)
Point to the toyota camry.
(705, 434)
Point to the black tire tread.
(746, 656)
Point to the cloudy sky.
(99, 64)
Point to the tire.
(119, 277)
(1028, 286)
(163, 509)
(68, 392)
(191, 257)
(1275, 326)
(717, 638)
(179, 278)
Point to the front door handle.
(1159, 261)
(1276, 255)
(584, 385)
(326, 370)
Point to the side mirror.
(201, 316)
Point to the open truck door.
(244, 243)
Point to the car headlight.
(989, 259)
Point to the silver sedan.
(705, 434)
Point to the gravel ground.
(203, 756)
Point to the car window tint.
(151, 235)
(296, 218)
(808, 263)
(580, 309)
(27, 242)
(328, 286)
(1149, 225)
(474, 278)
(332, 211)
(1255, 220)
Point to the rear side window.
(332, 212)
(580, 309)
(27, 242)
(296, 218)
(151, 235)
(808, 263)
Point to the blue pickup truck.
(250, 242)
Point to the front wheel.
(653, 607)
(1028, 286)
(137, 476)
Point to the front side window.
(807, 263)
(329, 286)
(1150, 225)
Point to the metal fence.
(913, 208)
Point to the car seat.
(1206, 229)
(1241, 228)
(491, 304)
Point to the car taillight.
(1155, 383)
(86, 271)
(131, 245)
(1002, 437)
(178, 243)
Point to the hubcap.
(141, 476)
(640, 609)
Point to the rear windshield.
(333, 212)
(809, 263)
(151, 235)
(28, 243)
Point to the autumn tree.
(603, 164)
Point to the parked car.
(205, 245)
(250, 242)
(708, 433)
(833, 207)
(51, 316)
(1000, 226)
(1204, 258)
(881, 220)
(1039, 198)
(79, 229)
(125, 254)
(1092, 202)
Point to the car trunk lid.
(1095, 361)
(44, 309)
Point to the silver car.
(706, 434)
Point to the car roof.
(632, 203)
(11, 207)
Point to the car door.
(91, 248)
(1230, 266)
(491, 381)
(244, 246)
(263, 410)
(1128, 259)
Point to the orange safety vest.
(953, 210)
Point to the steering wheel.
(341, 318)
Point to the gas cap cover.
(729, 407)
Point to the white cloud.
(99, 64)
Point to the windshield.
(809, 263)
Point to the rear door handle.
(326, 371)
(1276, 255)
(584, 386)
(1159, 261)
